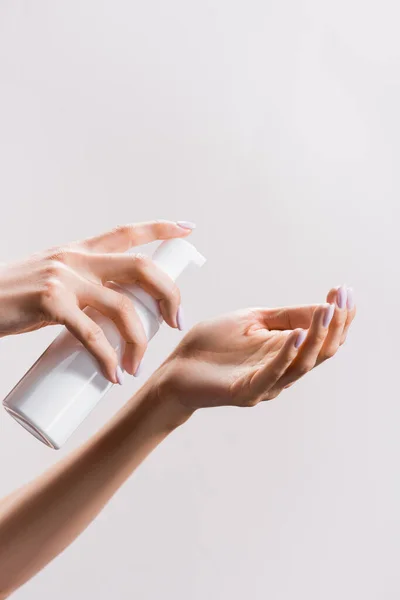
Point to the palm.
(220, 357)
(252, 355)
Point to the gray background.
(275, 126)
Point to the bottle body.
(65, 384)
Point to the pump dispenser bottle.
(65, 384)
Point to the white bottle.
(65, 384)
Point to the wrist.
(145, 420)
(157, 397)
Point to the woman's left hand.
(252, 355)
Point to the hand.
(252, 355)
(55, 286)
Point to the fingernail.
(138, 371)
(186, 224)
(328, 314)
(300, 338)
(119, 375)
(350, 298)
(180, 321)
(341, 296)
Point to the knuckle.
(53, 270)
(128, 232)
(271, 395)
(340, 322)
(303, 369)
(51, 291)
(141, 262)
(122, 230)
(175, 294)
(136, 336)
(94, 335)
(124, 233)
(320, 336)
(158, 226)
(251, 402)
(139, 340)
(142, 343)
(329, 353)
(124, 306)
(309, 365)
(60, 255)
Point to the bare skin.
(56, 285)
(238, 359)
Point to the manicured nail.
(341, 296)
(119, 375)
(350, 298)
(300, 338)
(138, 371)
(328, 314)
(186, 224)
(180, 321)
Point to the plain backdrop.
(274, 125)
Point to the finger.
(124, 237)
(140, 269)
(310, 349)
(120, 309)
(286, 317)
(93, 338)
(351, 313)
(266, 377)
(337, 297)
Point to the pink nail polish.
(180, 321)
(186, 224)
(119, 375)
(350, 298)
(341, 297)
(328, 314)
(300, 338)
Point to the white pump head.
(174, 256)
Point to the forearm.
(38, 521)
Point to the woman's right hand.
(55, 286)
